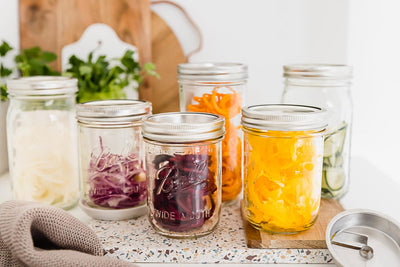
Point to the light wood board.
(167, 53)
(314, 238)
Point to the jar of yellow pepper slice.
(218, 88)
(283, 155)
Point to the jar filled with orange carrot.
(283, 155)
(218, 88)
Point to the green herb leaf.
(97, 80)
(150, 69)
(34, 61)
(85, 70)
(3, 92)
(4, 48)
(128, 61)
(4, 72)
(48, 56)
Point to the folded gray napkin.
(32, 234)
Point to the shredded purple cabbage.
(116, 181)
(182, 196)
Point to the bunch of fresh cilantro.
(98, 80)
(30, 62)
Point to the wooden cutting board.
(52, 24)
(167, 53)
(314, 238)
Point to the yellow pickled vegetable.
(282, 179)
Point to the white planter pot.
(3, 137)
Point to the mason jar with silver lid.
(111, 156)
(218, 88)
(183, 159)
(42, 140)
(326, 86)
(283, 148)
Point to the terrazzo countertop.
(136, 241)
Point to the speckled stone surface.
(136, 241)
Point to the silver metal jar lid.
(364, 238)
(212, 72)
(183, 127)
(113, 111)
(42, 86)
(318, 71)
(283, 117)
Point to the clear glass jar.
(111, 155)
(326, 86)
(218, 88)
(183, 159)
(42, 140)
(283, 148)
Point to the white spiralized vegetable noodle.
(45, 158)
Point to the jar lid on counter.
(363, 237)
(212, 71)
(112, 111)
(183, 127)
(283, 117)
(318, 71)
(42, 86)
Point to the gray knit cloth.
(32, 234)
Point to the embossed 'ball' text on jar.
(283, 152)
(183, 167)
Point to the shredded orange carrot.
(227, 105)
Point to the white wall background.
(267, 34)
(9, 26)
(374, 51)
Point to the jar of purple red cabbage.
(183, 169)
(111, 153)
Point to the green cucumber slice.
(334, 178)
(334, 141)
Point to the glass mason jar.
(218, 88)
(42, 140)
(326, 86)
(183, 159)
(283, 148)
(111, 155)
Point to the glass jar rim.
(209, 71)
(183, 127)
(113, 111)
(284, 117)
(318, 71)
(42, 86)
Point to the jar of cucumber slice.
(326, 86)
